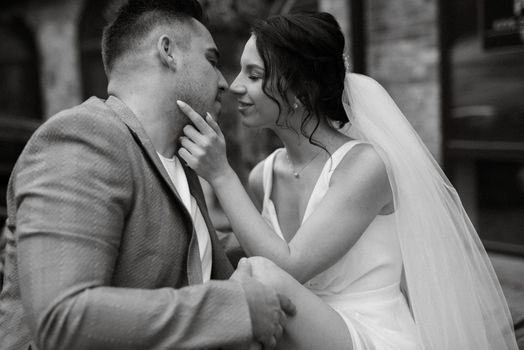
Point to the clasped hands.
(269, 310)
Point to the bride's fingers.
(195, 118)
(213, 124)
(194, 135)
(191, 147)
(187, 157)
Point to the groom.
(109, 242)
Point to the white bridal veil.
(456, 299)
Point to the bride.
(371, 241)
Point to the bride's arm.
(255, 186)
(358, 190)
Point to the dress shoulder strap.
(340, 153)
(322, 185)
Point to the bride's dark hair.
(303, 54)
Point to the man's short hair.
(136, 18)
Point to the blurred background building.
(455, 67)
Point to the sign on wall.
(503, 23)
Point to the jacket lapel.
(138, 132)
(220, 267)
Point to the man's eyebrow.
(214, 51)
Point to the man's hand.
(268, 310)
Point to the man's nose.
(237, 87)
(222, 83)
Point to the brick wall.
(402, 53)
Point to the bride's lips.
(242, 106)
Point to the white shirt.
(179, 179)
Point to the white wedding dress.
(364, 285)
(455, 298)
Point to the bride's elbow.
(298, 268)
(292, 263)
(279, 277)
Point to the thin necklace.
(296, 174)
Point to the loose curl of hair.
(303, 54)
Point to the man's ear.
(166, 48)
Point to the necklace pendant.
(295, 173)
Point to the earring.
(295, 106)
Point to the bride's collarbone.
(291, 196)
(292, 186)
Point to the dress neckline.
(269, 201)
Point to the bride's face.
(255, 107)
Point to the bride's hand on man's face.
(203, 146)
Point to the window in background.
(484, 123)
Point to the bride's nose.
(237, 87)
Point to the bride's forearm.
(251, 230)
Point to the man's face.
(200, 82)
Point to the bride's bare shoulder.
(361, 156)
(361, 165)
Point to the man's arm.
(72, 190)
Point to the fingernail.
(209, 115)
(180, 103)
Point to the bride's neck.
(300, 149)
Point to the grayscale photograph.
(262, 174)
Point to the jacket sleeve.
(73, 188)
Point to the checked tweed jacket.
(101, 253)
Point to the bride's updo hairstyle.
(303, 56)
